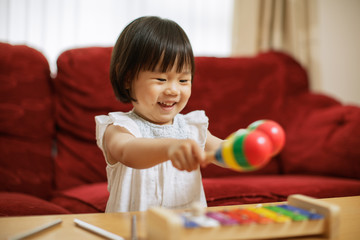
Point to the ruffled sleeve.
(116, 118)
(198, 123)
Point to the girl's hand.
(186, 154)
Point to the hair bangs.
(170, 46)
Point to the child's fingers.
(182, 158)
(189, 159)
(177, 165)
(180, 161)
(186, 160)
(187, 155)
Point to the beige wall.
(339, 49)
(333, 44)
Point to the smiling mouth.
(166, 105)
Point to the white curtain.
(53, 26)
(284, 25)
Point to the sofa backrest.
(26, 121)
(82, 90)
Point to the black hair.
(141, 46)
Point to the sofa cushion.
(83, 90)
(26, 121)
(19, 204)
(88, 198)
(325, 142)
(273, 188)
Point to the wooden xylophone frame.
(165, 224)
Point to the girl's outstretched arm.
(121, 146)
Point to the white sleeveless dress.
(162, 185)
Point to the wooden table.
(120, 223)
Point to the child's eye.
(184, 81)
(161, 79)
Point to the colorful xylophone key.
(239, 218)
(276, 217)
(246, 216)
(308, 214)
(288, 213)
(191, 221)
(224, 219)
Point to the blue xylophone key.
(191, 221)
(309, 214)
(188, 223)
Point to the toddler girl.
(153, 152)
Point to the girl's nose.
(172, 89)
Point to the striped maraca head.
(250, 149)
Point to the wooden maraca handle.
(210, 157)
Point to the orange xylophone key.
(254, 216)
(244, 216)
(238, 217)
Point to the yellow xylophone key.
(270, 214)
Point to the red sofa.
(50, 164)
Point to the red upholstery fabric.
(84, 199)
(272, 188)
(225, 87)
(325, 142)
(26, 121)
(18, 204)
(83, 91)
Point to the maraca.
(250, 149)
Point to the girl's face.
(161, 96)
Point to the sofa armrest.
(325, 142)
(26, 121)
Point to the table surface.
(120, 223)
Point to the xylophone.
(300, 216)
(251, 148)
